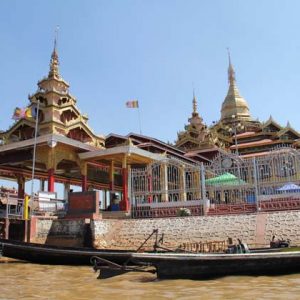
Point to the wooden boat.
(201, 266)
(46, 254)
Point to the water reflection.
(31, 281)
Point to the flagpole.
(34, 147)
(139, 119)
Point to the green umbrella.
(224, 179)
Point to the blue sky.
(155, 51)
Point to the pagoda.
(236, 131)
(242, 134)
(58, 133)
(58, 113)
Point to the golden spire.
(54, 63)
(194, 103)
(231, 73)
(234, 104)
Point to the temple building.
(236, 131)
(55, 144)
(55, 154)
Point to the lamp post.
(235, 126)
(34, 148)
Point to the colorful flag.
(22, 113)
(132, 104)
(19, 113)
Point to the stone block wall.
(59, 232)
(254, 229)
(285, 225)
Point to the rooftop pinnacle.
(231, 73)
(54, 63)
(194, 104)
(234, 104)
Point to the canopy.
(289, 187)
(225, 179)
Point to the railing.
(163, 212)
(224, 209)
(52, 207)
(13, 207)
(206, 247)
(277, 204)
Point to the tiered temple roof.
(58, 113)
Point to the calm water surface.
(30, 281)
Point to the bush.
(183, 212)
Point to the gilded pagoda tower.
(56, 129)
(235, 114)
(234, 107)
(196, 135)
(58, 113)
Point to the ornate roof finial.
(54, 63)
(231, 73)
(194, 103)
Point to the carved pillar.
(164, 180)
(182, 183)
(49, 157)
(83, 169)
(150, 188)
(111, 176)
(84, 183)
(124, 204)
(66, 190)
(21, 187)
(51, 180)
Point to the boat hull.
(203, 266)
(46, 254)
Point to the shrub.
(183, 212)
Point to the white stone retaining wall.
(254, 229)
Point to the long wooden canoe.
(201, 266)
(46, 254)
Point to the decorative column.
(83, 169)
(51, 180)
(164, 181)
(182, 183)
(21, 187)
(149, 183)
(66, 190)
(111, 176)
(124, 204)
(256, 184)
(203, 190)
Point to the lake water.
(21, 280)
